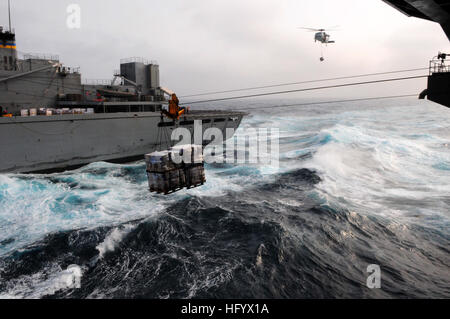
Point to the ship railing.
(75, 69)
(41, 56)
(96, 82)
(138, 60)
(6, 33)
(69, 70)
(439, 66)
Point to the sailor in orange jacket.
(175, 111)
(4, 113)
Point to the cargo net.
(175, 169)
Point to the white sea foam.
(44, 283)
(33, 206)
(113, 239)
(383, 169)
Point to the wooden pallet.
(174, 190)
(195, 185)
(166, 192)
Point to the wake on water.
(358, 184)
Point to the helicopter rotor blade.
(334, 28)
(309, 29)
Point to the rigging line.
(329, 102)
(24, 93)
(46, 90)
(43, 82)
(308, 89)
(161, 137)
(168, 137)
(305, 82)
(158, 143)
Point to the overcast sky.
(204, 45)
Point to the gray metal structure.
(126, 123)
(433, 10)
(438, 89)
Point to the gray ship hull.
(56, 143)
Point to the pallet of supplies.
(195, 176)
(172, 170)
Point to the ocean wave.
(357, 185)
(396, 174)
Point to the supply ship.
(51, 121)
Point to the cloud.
(204, 45)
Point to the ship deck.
(192, 115)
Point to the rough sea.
(359, 184)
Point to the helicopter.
(320, 36)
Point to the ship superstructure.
(42, 81)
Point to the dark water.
(358, 184)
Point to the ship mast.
(9, 15)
